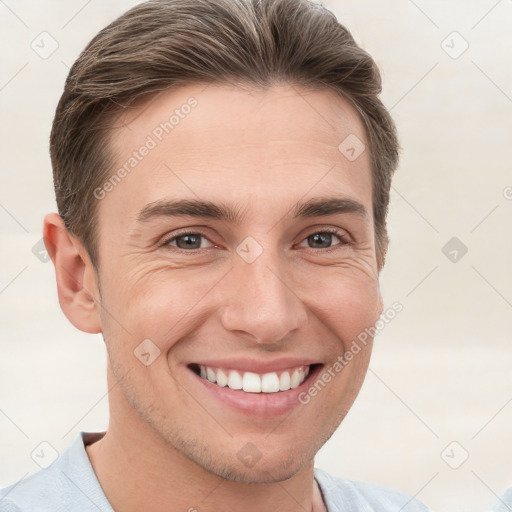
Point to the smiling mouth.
(249, 382)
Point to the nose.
(262, 303)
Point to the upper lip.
(256, 366)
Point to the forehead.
(222, 141)
(239, 114)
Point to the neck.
(138, 470)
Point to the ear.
(381, 300)
(77, 279)
(381, 304)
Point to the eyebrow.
(316, 207)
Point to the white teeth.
(284, 381)
(270, 383)
(234, 380)
(210, 375)
(252, 382)
(295, 379)
(222, 378)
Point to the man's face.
(276, 287)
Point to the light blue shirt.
(505, 502)
(70, 485)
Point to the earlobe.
(77, 281)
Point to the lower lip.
(263, 405)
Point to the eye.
(323, 240)
(189, 241)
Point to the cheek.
(345, 302)
(160, 304)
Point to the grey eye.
(189, 241)
(320, 240)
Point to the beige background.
(441, 371)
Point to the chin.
(262, 473)
(251, 466)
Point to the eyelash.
(344, 241)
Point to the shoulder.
(34, 489)
(343, 495)
(67, 485)
(7, 505)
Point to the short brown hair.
(161, 44)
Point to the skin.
(169, 445)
